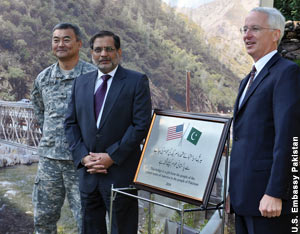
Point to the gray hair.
(275, 19)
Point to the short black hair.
(116, 38)
(74, 27)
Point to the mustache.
(104, 60)
(98, 61)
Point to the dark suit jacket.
(263, 131)
(124, 123)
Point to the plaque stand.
(220, 206)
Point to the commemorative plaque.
(181, 155)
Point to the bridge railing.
(18, 124)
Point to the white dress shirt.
(99, 81)
(259, 65)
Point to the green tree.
(289, 8)
(16, 78)
(155, 40)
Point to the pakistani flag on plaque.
(194, 136)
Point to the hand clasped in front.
(98, 162)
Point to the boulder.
(10, 156)
(290, 44)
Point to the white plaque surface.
(179, 155)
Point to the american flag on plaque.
(175, 132)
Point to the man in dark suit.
(266, 121)
(105, 137)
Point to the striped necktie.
(252, 75)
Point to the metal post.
(182, 218)
(112, 197)
(149, 216)
(180, 211)
(225, 182)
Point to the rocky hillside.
(155, 40)
(221, 21)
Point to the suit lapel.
(113, 93)
(90, 88)
(254, 85)
(241, 89)
(261, 76)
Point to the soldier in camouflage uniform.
(56, 176)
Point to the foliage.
(289, 8)
(297, 61)
(191, 219)
(154, 228)
(18, 85)
(155, 40)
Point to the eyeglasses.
(107, 49)
(253, 29)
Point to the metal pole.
(119, 190)
(225, 182)
(111, 208)
(149, 216)
(182, 218)
(180, 211)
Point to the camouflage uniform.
(56, 174)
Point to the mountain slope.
(155, 40)
(221, 21)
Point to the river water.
(16, 185)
